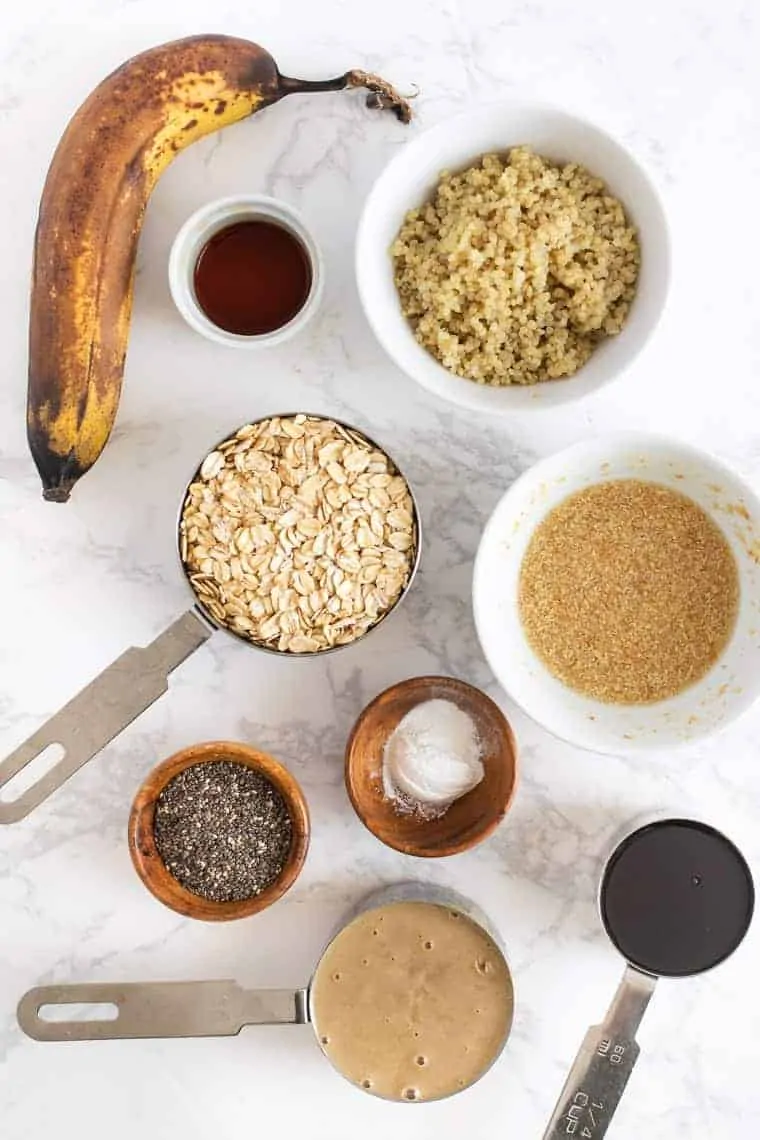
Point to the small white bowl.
(733, 683)
(201, 226)
(410, 178)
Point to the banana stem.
(381, 95)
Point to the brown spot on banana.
(108, 161)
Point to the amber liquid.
(252, 277)
(677, 898)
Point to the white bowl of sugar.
(730, 683)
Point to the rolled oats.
(298, 534)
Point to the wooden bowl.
(149, 864)
(471, 818)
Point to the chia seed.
(222, 830)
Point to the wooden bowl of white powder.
(431, 766)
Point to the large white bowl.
(731, 685)
(410, 178)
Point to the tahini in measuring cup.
(676, 898)
(411, 1000)
(140, 676)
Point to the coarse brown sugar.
(628, 592)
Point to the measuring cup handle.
(158, 1009)
(605, 1061)
(100, 711)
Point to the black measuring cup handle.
(101, 711)
(604, 1063)
(158, 1009)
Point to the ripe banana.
(101, 176)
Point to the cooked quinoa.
(516, 269)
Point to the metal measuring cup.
(605, 1060)
(221, 1008)
(137, 678)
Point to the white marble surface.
(678, 82)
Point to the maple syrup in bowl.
(246, 271)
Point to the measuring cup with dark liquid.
(676, 898)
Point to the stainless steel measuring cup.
(605, 1061)
(137, 678)
(216, 1008)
